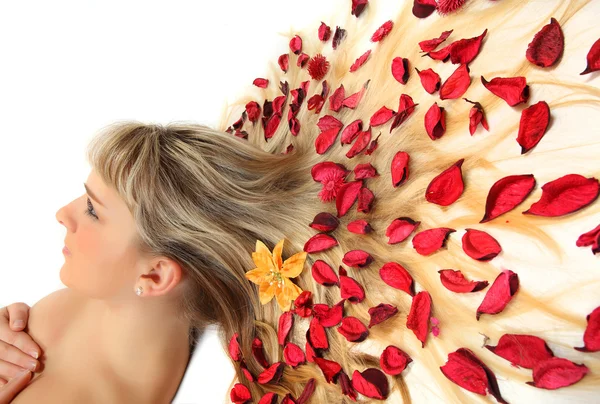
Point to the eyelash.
(90, 209)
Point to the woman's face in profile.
(100, 230)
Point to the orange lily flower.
(272, 275)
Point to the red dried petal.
(258, 352)
(429, 241)
(240, 394)
(430, 80)
(382, 31)
(320, 242)
(353, 329)
(284, 61)
(360, 61)
(296, 44)
(381, 116)
(323, 274)
(307, 392)
(286, 321)
(506, 194)
(565, 195)
(293, 355)
(400, 229)
(547, 45)
(457, 84)
(590, 238)
(522, 350)
(394, 360)
(479, 245)
(330, 128)
(303, 58)
(400, 170)
(405, 109)
(272, 374)
(318, 66)
(380, 313)
(262, 83)
(372, 383)
(247, 374)
(441, 54)
(346, 196)
(317, 335)
(253, 110)
(532, 126)
(359, 226)
(499, 294)
(324, 32)
(269, 398)
(311, 354)
(358, 7)
(350, 289)
(447, 186)
(235, 352)
(469, 372)
(423, 8)
(353, 100)
(330, 369)
(303, 304)
(513, 90)
(363, 171)
(278, 104)
(357, 258)
(329, 316)
(396, 276)
(365, 200)
(347, 388)
(591, 336)
(272, 125)
(431, 44)
(337, 99)
(326, 170)
(315, 102)
(400, 69)
(593, 58)
(325, 222)
(464, 51)
(338, 36)
(555, 373)
(362, 141)
(455, 281)
(435, 121)
(418, 317)
(351, 131)
(476, 116)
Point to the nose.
(62, 216)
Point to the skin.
(129, 337)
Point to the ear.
(162, 278)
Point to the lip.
(66, 251)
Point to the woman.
(213, 214)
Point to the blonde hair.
(203, 197)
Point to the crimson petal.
(547, 45)
(418, 317)
(565, 195)
(329, 316)
(272, 374)
(456, 84)
(593, 58)
(359, 226)
(286, 321)
(430, 80)
(240, 394)
(372, 383)
(324, 32)
(396, 276)
(435, 121)
(393, 360)
(456, 282)
(400, 170)
(320, 242)
(405, 109)
(400, 229)
(513, 90)
(323, 274)
(499, 294)
(431, 44)
(429, 241)
(400, 69)
(353, 329)
(361, 60)
(235, 352)
(591, 336)
(555, 373)
(590, 238)
(380, 313)
(293, 355)
(506, 194)
(447, 186)
(522, 350)
(346, 196)
(331, 369)
(296, 44)
(532, 125)
(423, 8)
(382, 31)
(464, 51)
(325, 222)
(349, 288)
(479, 245)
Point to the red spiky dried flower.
(449, 6)
(318, 66)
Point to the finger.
(9, 370)
(19, 339)
(12, 358)
(14, 386)
(18, 314)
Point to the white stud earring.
(139, 291)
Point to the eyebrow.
(91, 194)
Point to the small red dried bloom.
(324, 32)
(332, 176)
(382, 31)
(318, 67)
(296, 44)
(547, 45)
(593, 58)
(449, 6)
(293, 355)
(262, 83)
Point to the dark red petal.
(429, 241)
(431, 44)
(318, 66)
(405, 109)
(272, 374)
(394, 360)
(325, 222)
(365, 170)
(456, 282)
(357, 258)
(353, 329)
(400, 69)
(593, 58)
(269, 398)
(447, 186)
(302, 60)
(347, 388)
(360, 61)
(318, 336)
(456, 84)
(479, 245)
(362, 141)
(262, 83)
(423, 8)
(590, 238)
(476, 116)
(430, 80)
(326, 170)
(382, 31)
(303, 304)
(435, 121)
(315, 102)
(278, 104)
(400, 229)
(380, 313)
(247, 374)
(522, 350)
(240, 394)
(235, 352)
(365, 200)
(351, 131)
(591, 336)
(272, 125)
(506, 194)
(253, 110)
(353, 100)
(293, 354)
(565, 195)
(346, 196)
(372, 383)
(330, 368)
(296, 44)
(532, 126)
(338, 36)
(329, 316)
(441, 54)
(283, 62)
(400, 170)
(337, 98)
(396, 276)
(324, 32)
(381, 116)
(286, 321)
(358, 6)
(359, 226)
(307, 392)
(349, 288)
(555, 373)
(547, 45)
(418, 317)
(449, 6)
(259, 352)
(513, 90)
(323, 274)
(320, 242)
(311, 353)
(499, 294)
(464, 51)
(330, 128)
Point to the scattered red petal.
(447, 186)
(330, 369)
(324, 32)
(423, 8)
(358, 7)
(262, 83)
(479, 245)
(430, 80)
(272, 125)
(351, 131)
(302, 60)
(405, 109)
(272, 374)
(337, 99)
(320, 242)
(382, 31)
(365, 200)
(590, 238)
(353, 100)
(464, 51)
(283, 62)
(286, 321)
(317, 335)
(381, 116)
(240, 394)
(400, 69)
(380, 313)
(360, 61)
(593, 58)
(353, 329)
(349, 288)
(346, 196)
(456, 282)
(253, 110)
(476, 116)
(296, 44)
(429, 241)
(235, 352)
(372, 383)
(359, 226)
(338, 36)
(347, 388)
(591, 336)
(418, 317)
(513, 90)
(506, 194)
(323, 274)
(371, 148)
(547, 45)
(307, 392)
(555, 373)
(325, 222)
(400, 169)
(522, 350)
(396, 276)
(362, 141)
(435, 121)
(364, 171)
(394, 360)
(449, 6)
(329, 316)
(456, 84)
(431, 44)
(400, 229)
(269, 398)
(441, 54)
(357, 258)
(330, 127)
(532, 126)
(259, 352)
(499, 294)
(293, 355)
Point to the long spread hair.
(204, 196)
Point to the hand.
(15, 346)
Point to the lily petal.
(277, 254)
(293, 266)
(258, 275)
(266, 292)
(288, 292)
